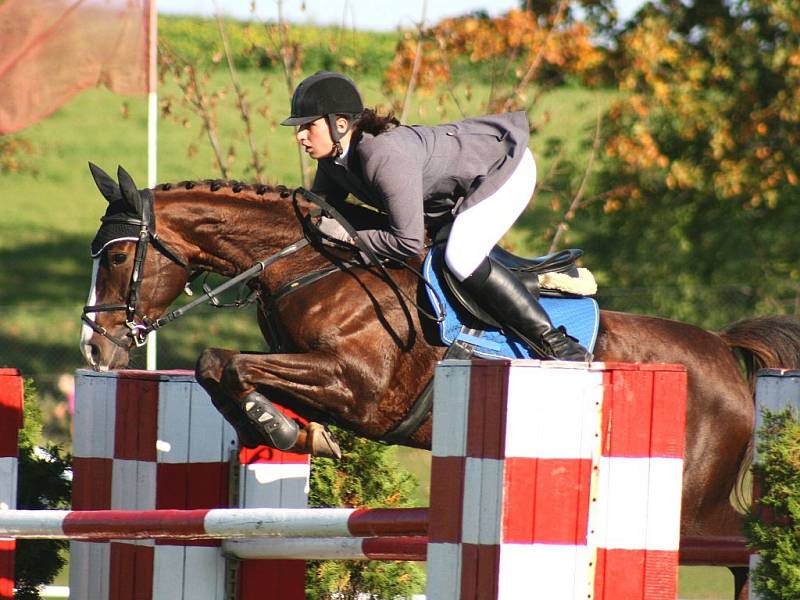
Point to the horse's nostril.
(95, 353)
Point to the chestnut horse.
(355, 352)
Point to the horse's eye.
(118, 258)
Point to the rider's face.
(315, 138)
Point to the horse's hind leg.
(741, 582)
(255, 419)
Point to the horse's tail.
(765, 342)
(761, 343)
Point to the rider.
(476, 173)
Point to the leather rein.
(140, 326)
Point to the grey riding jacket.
(414, 173)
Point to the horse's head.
(135, 275)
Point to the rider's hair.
(375, 123)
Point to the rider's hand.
(332, 228)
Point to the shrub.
(41, 485)
(773, 524)
(257, 45)
(365, 477)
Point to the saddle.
(554, 275)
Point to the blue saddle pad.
(579, 316)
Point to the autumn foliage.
(700, 170)
(716, 112)
(519, 48)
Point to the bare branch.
(454, 97)
(197, 101)
(289, 63)
(244, 105)
(412, 80)
(576, 201)
(550, 173)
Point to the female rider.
(477, 173)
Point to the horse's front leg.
(208, 372)
(236, 382)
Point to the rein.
(365, 250)
(141, 326)
(210, 295)
(139, 330)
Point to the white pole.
(152, 131)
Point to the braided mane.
(235, 186)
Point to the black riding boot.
(509, 302)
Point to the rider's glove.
(332, 228)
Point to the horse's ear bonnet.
(107, 186)
(125, 210)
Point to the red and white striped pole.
(556, 480)
(214, 523)
(368, 548)
(11, 396)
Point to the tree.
(699, 178)
(517, 50)
(600, 14)
(773, 524)
(42, 485)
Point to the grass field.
(50, 216)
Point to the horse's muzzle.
(102, 355)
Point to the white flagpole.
(152, 130)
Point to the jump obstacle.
(560, 492)
(10, 423)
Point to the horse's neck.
(228, 235)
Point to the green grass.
(705, 583)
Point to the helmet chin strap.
(335, 135)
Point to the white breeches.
(476, 230)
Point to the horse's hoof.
(320, 442)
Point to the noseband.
(138, 324)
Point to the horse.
(351, 347)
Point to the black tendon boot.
(509, 302)
(280, 430)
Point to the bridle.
(138, 324)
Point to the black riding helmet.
(325, 94)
